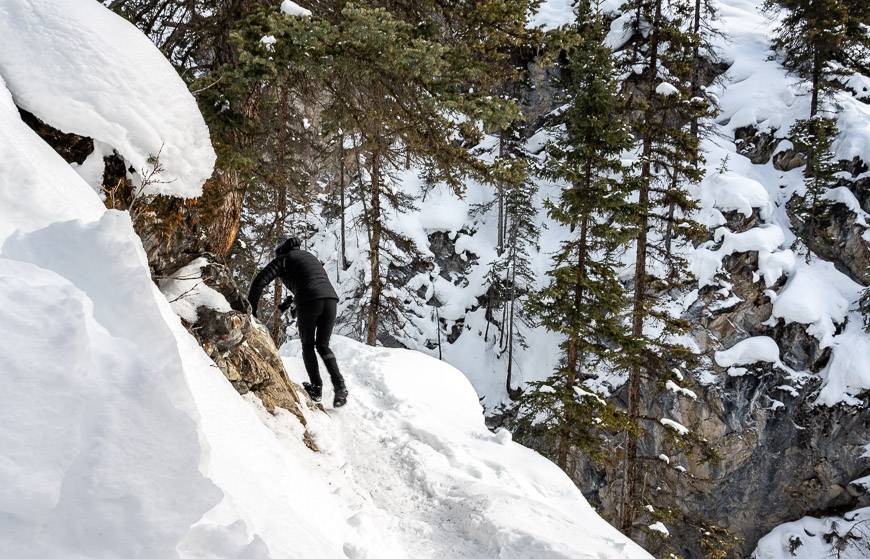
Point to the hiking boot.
(340, 396)
(315, 391)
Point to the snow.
(186, 292)
(764, 239)
(773, 265)
(414, 452)
(847, 374)
(751, 350)
(660, 528)
(666, 90)
(268, 42)
(732, 192)
(36, 186)
(811, 538)
(801, 301)
(671, 424)
(121, 437)
(676, 389)
(83, 69)
(294, 9)
(553, 14)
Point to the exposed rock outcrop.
(836, 234)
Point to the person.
(315, 309)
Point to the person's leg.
(306, 319)
(325, 325)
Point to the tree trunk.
(513, 393)
(374, 249)
(696, 85)
(501, 217)
(630, 472)
(225, 213)
(343, 208)
(572, 357)
(817, 76)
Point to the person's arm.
(266, 276)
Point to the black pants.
(316, 320)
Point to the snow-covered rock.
(751, 350)
(83, 69)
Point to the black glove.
(287, 304)
(293, 311)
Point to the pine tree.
(510, 278)
(584, 298)
(662, 107)
(823, 41)
(814, 137)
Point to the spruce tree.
(814, 137)
(584, 299)
(662, 107)
(823, 41)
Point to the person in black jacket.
(315, 309)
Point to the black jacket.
(300, 271)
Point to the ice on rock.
(83, 69)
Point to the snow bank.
(847, 374)
(811, 538)
(746, 352)
(83, 69)
(811, 297)
(101, 449)
(414, 453)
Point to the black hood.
(290, 244)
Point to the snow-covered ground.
(814, 538)
(412, 460)
(120, 438)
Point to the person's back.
(304, 275)
(315, 308)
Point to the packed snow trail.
(414, 459)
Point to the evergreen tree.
(814, 137)
(662, 108)
(823, 41)
(584, 298)
(510, 278)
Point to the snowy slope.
(413, 459)
(121, 438)
(756, 91)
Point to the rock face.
(781, 457)
(243, 350)
(757, 146)
(836, 235)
